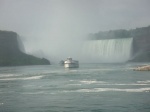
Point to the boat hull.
(71, 65)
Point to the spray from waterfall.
(108, 50)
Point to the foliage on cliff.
(10, 54)
(120, 33)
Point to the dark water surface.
(90, 88)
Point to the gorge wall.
(11, 51)
(140, 44)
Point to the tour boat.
(69, 63)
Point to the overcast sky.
(56, 28)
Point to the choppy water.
(90, 88)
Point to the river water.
(89, 88)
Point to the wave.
(134, 84)
(91, 70)
(111, 89)
(88, 82)
(36, 93)
(75, 84)
(24, 78)
(1, 103)
(92, 82)
(40, 92)
(145, 82)
(9, 75)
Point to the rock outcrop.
(11, 54)
(142, 68)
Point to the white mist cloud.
(55, 29)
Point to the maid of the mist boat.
(69, 63)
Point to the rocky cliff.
(141, 41)
(141, 44)
(11, 53)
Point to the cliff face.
(141, 44)
(141, 37)
(11, 55)
(141, 40)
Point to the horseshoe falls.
(108, 50)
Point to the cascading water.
(109, 50)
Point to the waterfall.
(109, 50)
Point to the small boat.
(69, 63)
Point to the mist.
(57, 29)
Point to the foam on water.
(92, 82)
(23, 78)
(9, 75)
(75, 84)
(132, 84)
(109, 89)
(145, 82)
(39, 92)
(88, 82)
(1, 104)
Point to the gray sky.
(56, 28)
